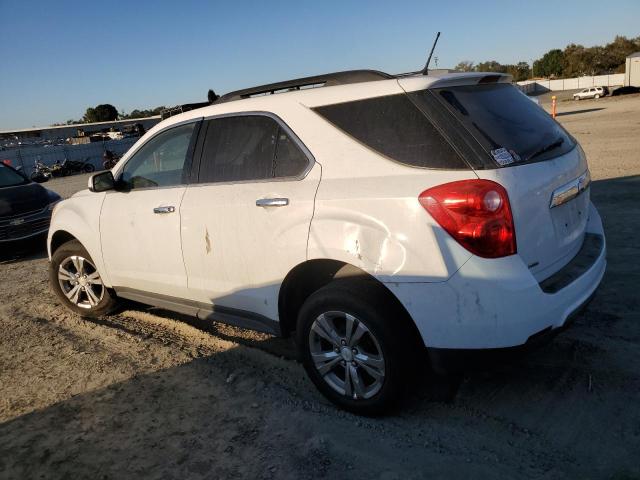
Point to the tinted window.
(160, 161)
(289, 160)
(502, 119)
(248, 148)
(9, 177)
(396, 128)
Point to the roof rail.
(326, 80)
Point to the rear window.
(396, 128)
(510, 128)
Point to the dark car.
(25, 206)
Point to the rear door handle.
(272, 202)
(169, 209)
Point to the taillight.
(476, 213)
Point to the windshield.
(9, 177)
(507, 125)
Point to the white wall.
(531, 86)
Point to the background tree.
(101, 113)
(550, 65)
(464, 66)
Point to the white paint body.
(354, 206)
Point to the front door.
(245, 224)
(140, 223)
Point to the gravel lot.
(147, 393)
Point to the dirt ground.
(147, 393)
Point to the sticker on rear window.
(504, 156)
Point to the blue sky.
(58, 58)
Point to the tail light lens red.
(476, 213)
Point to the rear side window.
(245, 148)
(396, 128)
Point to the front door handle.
(272, 202)
(164, 209)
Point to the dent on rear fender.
(391, 253)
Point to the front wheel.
(88, 168)
(354, 348)
(76, 281)
(597, 96)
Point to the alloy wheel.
(347, 355)
(80, 282)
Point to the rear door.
(246, 223)
(140, 225)
(529, 154)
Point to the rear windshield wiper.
(555, 144)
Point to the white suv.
(592, 92)
(372, 217)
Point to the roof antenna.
(425, 71)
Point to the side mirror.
(101, 182)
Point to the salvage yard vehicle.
(25, 207)
(384, 221)
(592, 92)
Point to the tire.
(77, 283)
(597, 96)
(576, 98)
(88, 168)
(376, 352)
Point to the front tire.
(355, 347)
(77, 283)
(88, 168)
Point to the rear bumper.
(447, 361)
(497, 303)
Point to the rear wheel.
(77, 282)
(88, 168)
(597, 96)
(354, 348)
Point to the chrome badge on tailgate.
(570, 190)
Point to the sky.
(59, 58)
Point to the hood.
(22, 199)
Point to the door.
(245, 224)
(140, 222)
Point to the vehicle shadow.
(574, 112)
(18, 251)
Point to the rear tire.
(355, 347)
(597, 96)
(77, 283)
(88, 168)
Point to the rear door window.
(394, 127)
(508, 126)
(249, 148)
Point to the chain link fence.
(26, 157)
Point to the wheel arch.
(308, 277)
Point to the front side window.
(245, 148)
(161, 161)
